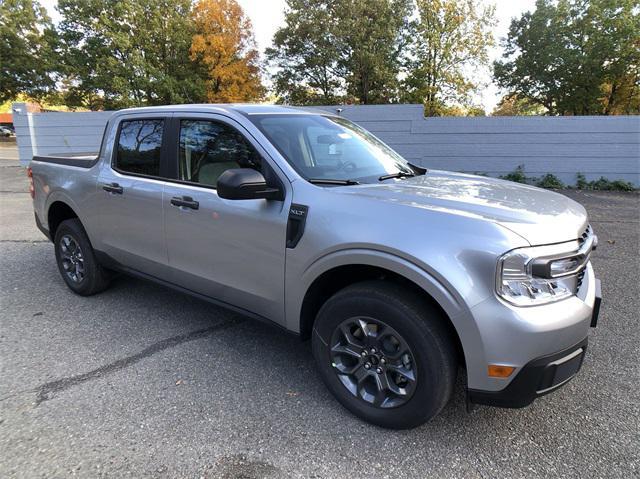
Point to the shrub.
(550, 181)
(516, 175)
(603, 184)
(581, 182)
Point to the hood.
(539, 216)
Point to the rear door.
(230, 250)
(129, 194)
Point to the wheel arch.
(57, 212)
(349, 267)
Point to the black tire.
(390, 310)
(91, 277)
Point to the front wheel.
(385, 354)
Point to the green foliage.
(128, 53)
(513, 105)
(575, 57)
(517, 175)
(306, 56)
(603, 184)
(451, 40)
(27, 51)
(553, 182)
(549, 181)
(332, 51)
(581, 182)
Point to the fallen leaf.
(178, 382)
(611, 241)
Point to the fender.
(60, 195)
(442, 292)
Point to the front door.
(230, 250)
(129, 192)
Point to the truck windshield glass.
(330, 148)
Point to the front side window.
(209, 148)
(139, 145)
(320, 147)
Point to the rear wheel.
(76, 260)
(385, 354)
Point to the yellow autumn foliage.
(223, 43)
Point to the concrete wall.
(595, 146)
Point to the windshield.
(330, 148)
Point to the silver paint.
(443, 231)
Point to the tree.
(223, 43)
(129, 53)
(372, 36)
(340, 50)
(28, 49)
(575, 57)
(513, 105)
(451, 42)
(307, 56)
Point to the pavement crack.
(23, 241)
(45, 391)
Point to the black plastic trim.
(67, 160)
(295, 224)
(41, 227)
(537, 375)
(596, 305)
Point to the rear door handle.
(113, 188)
(185, 201)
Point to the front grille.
(585, 235)
(587, 232)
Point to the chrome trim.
(555, 386)
(541, 266)
(558, 362)
(568, 357)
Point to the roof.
(245, 109)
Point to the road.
(141, 381)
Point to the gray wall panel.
(595, 146)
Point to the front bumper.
(542, 375)
(537, 378)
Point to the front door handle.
(185, 201)
(113, 188)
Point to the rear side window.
(139, 145)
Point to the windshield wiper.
(400, 174)
(325, 181)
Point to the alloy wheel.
(72, 258)
(374, 362)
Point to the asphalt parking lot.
(142, 381)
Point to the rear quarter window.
(139, 147)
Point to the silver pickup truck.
(399, 275)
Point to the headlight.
(517, 285)
(543, 274)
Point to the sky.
(268, 15)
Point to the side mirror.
(246, 184)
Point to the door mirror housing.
(246, 184)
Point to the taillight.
(32, 189)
